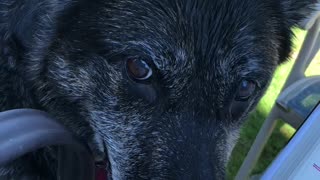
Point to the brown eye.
(246, 90)
(138, 69)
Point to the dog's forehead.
(175, 32)
(191, 39)
(186, 39)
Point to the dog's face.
(162, 87)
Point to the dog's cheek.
(68, 80)
(232, 138)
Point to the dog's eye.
(245, 90)
(138, 69)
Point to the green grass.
(282, 132)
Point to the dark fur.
(67, 58)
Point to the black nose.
(197, 148)
(199, 165)
(198, 172)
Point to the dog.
(159, 88)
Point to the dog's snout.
(204, 168)
(203, 176)
(201, 167)
(198, 158)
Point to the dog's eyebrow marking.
(144, 45)
(150, 52)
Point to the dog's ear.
(26, 20)
(293, 13)
(296, 10)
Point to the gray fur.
(68, 58)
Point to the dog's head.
(159, 87)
